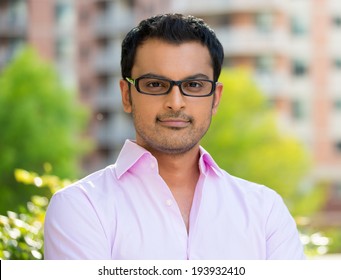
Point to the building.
(101, 26)
(46, 25)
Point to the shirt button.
(169, 202)
(152, 165)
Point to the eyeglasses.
(161, 86)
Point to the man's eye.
(154, 84)
(194, 84)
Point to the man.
(165, 197)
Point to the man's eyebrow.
(191, 77)
(197, 76)
(152, 75)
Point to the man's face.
(172, 123)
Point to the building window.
(337, 105)
(337, 63)
(337, 21)
(64, 14)
(18, 12)
(264, 22)
(265, 64)
(64, 48)
(299, 25)
(338, 146)
(299, 67)
(297, 110)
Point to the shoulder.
(250, 198)
(248, 188)
(95, 183)
(86, 199)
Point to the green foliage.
(246, 140)
(41, 122)
(319, 242)
(334, 235)
(21, 234)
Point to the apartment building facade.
(46, 25)
(101, 26)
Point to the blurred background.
(284, 55)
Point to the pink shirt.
(126, 211)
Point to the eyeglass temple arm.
(130, 80)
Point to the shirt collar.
(207, 162)
(131, 153)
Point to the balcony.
(117, 19)
(334, 82)
(333, 7)
(250, 41)
(110, 27)
(108, 103)
(301, 86)
(12, 27)
(107, 61)
(335, 132)
(198, 7)
(272, 84)
(108, 98)
(115, 130)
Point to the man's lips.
(178, 123)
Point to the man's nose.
(174, 99)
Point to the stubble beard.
(172, 142)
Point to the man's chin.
(174, 149)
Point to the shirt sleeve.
(282, 238)
(72, 229)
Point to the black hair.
(175, 29)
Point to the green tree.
(246, 140)
(40, 123)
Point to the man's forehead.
(171, 60)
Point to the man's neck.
(179, 170)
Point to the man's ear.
(125, 94)
(217, 96)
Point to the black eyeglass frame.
(135, 83)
